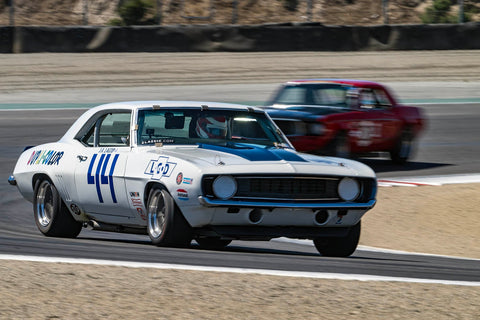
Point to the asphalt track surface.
(450, 145)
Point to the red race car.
(345, 117)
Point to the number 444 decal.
(99, 175)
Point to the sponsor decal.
(182, 194)
(162, 140)
(340, 215)
(142, 215)
(187, 180)
(46, 157)
(108, 150)
(179, 178)
(138, 204)
(97, 173)
(365, 132)
(160, 168)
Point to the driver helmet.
(211, 127)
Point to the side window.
(112, 129)
(292, 95)
(330, 96)
(367, 99)
(374, 99)
(382, 98)
(89, 138)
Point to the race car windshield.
(230, 128)
(323, 94)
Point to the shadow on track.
(261, 248)
(386, 165)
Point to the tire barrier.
(211, 38)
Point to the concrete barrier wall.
(276, 37)
(6, 39)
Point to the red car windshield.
(324, 94)
(331, 95)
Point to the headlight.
(316, 129)
(348, 189)
(224, 187)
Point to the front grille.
(287, 188)
(280, 188)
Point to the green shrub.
(132, 12)
(290, 5)
(439, 12)
(115, 22)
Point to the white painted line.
(430, 180)
(442, 102)
(373, 249)
(298, 274)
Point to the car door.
(378, 125)
(100, 173)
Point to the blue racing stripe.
(97, 180)
(110, 178)
(256, 153)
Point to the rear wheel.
(339, 247)
(403, 148)
(341, 146)
(51, 215)
(165, 224)
(213, 243)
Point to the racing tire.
(339, 247)
(341, 146)
(166, 226)
(51, 215)
(403, 148)
(212, 243)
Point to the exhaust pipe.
(321, 217)
(255, 216)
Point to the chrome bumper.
(12, 180)
(297, 205)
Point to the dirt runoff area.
(440, 220)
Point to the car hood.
(248, 158)
(302, 112)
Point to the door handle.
(82, 158)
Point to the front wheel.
(339, 247)
(165, 224)
(51, 215)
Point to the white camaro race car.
(187, 170)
